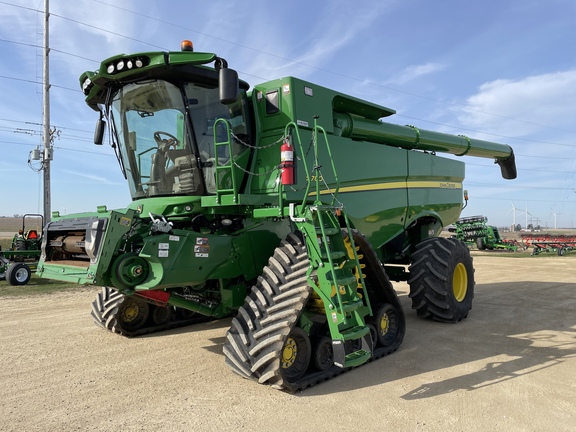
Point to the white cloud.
(93, 178)
(523, 107)
(328, 31)
(411, 73)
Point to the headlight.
(125, 64)
(86, 85)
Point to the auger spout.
(413, 138)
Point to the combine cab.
(288, 206)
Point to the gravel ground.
(510, 366)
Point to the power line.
(38, 82)
(329, 71)
(51, 49)
(40, 124)
(20, 6)
(107, 31)
(281, 58)
(58, 148)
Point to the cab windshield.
(166, 136)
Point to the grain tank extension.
(288, 207)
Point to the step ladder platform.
(357, 358)
(354, 333)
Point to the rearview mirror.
(99, 132)
(228, 80)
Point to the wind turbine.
(527, 213)
(555, 214)
(513, 211)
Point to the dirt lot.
(511, 366)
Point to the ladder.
(335, 272)
(225, 177)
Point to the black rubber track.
(255, 339)
(105, 314)
(254, 342)
(431, 279)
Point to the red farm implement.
(549, 243)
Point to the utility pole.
(47, 139)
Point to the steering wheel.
(165, 144)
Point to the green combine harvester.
(288, 207)
(474, 230)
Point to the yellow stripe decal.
(395, 185)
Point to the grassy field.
(12, 225)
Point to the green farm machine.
(20, 259)
(288, 207)
(474, 230)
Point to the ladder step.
(349, 265)
(341, 279)
(351, 306)
(334, 255)
(328, 230)
(357, 358)
(354, 333)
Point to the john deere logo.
(448, 186)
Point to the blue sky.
(503, 71)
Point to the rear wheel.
(19, 246)
(442, 280)
(18, 274)
(480, 243)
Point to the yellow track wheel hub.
(130, 313)
(460, 282)
(289, 353)
(384, 324)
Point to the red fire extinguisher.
(287, 162)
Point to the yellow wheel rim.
(289, 353)
(460, 282)
(384, 324)
(131, 312)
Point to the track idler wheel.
(118, 313)
(386, 325)
(296, 355)
(161, 314)
(323, 355)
